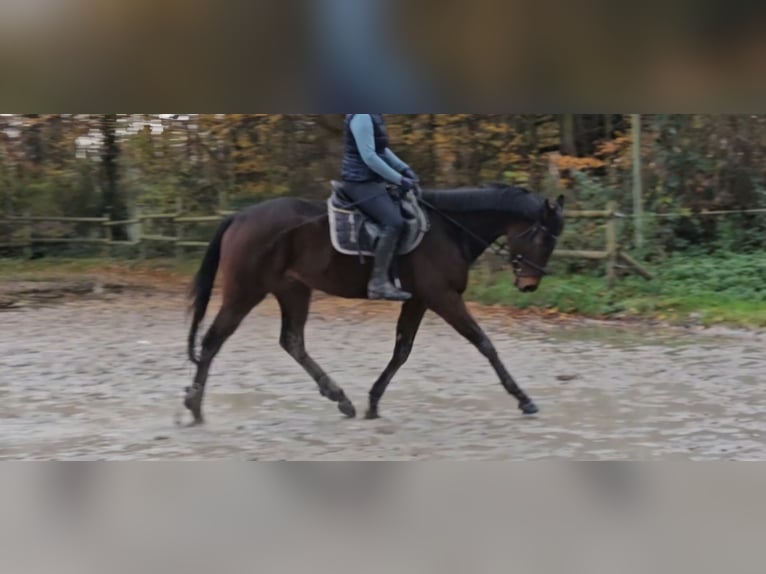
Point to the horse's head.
(531, 247)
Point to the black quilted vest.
(354, 168)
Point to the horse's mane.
(492, 197)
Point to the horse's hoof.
(372, 414)
(193, 403)
(347, 408)
(196, 422)
(529, 408)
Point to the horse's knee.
(207, 353)
(209, 339)
(403, 352)
(293, 345)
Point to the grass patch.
(725, 289)
(728, 289)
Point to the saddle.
(354, 233)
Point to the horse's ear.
(550, 207)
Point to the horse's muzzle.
(527, 283)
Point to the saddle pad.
(349, 232)
(354, 233)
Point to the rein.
(502, 250)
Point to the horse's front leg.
(407, 328)
(452, 309)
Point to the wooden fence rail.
(611, 254)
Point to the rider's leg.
(376, 202)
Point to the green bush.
(717, 288)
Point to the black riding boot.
(380, 286)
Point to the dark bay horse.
(282, 247)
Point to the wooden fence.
(105, 235)
(612, 254)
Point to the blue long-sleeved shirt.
(389, 167)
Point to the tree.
(113, 201)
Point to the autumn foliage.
(115, 164)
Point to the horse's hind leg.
(294, 302)
(225, 323)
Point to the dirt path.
(102, 378)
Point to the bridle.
(517, 261)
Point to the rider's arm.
(394, 161)
(364, 135)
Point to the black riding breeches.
(374, 199)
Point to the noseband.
(518, 260)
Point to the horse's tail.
(202, 287)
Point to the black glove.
(407, 184)
(410, 174)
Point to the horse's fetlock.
(330, 390)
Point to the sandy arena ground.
(101, 377)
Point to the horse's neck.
(481, 229)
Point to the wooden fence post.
(611, 244)
(107, 230)
(177, 229)
(140, 235)
(637, 184)
(27, 234)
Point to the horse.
(282, 246)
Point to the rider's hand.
(410, 174)
(407, 184)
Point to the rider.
(367, 164)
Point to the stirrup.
(387, 292)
